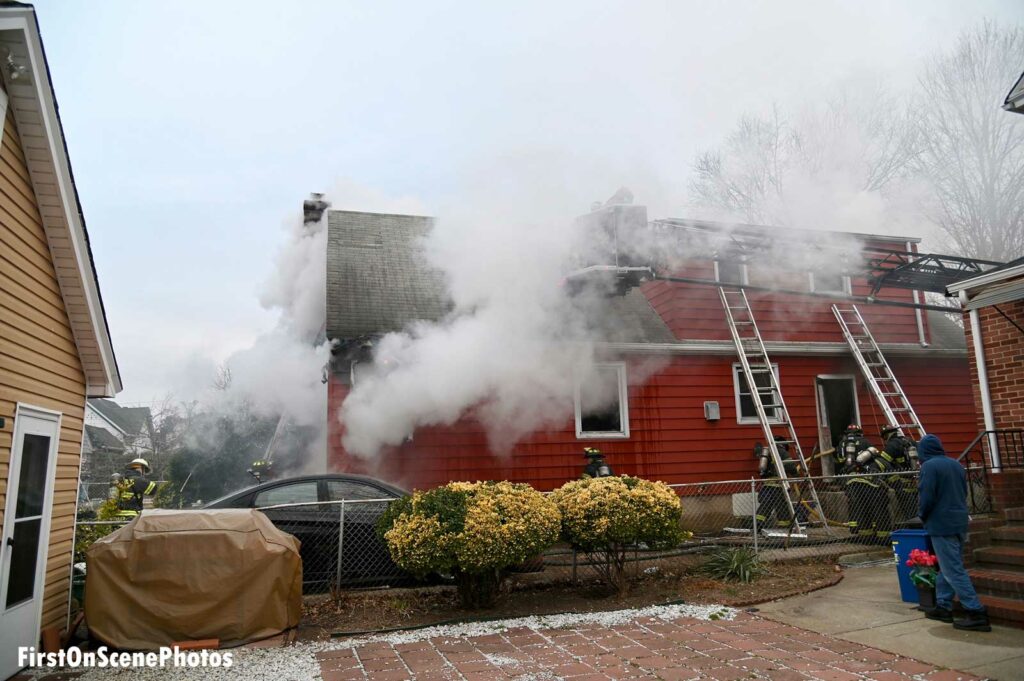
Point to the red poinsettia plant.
(923, 568)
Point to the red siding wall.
(669, 438)
(694, 312)
(1004, 360)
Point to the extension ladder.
(879, 375)
(755, 363)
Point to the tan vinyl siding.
(39, 362)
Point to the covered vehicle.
(173, 575)
(306, 506)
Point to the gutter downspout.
(917, 301)
(986, 398)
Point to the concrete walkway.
(865, 608)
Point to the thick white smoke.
(280, 375)
(514, 344)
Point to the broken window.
(601, 402)
(829, 282)
(745, 410)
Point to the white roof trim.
(986, 279)
(94, 410)
(726, 347)
(35, 109)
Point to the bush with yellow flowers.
(609, 517)
(474, 531)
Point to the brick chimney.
(313, 208)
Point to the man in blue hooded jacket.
(942, 505)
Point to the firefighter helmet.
(888, 430)
(591, 452)
(141, 463)
(854, 429)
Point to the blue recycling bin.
(903, 542)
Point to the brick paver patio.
(747, 647)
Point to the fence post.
(753, 512)
(341, 540)
(574, 581)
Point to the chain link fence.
(341, 550)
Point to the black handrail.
(1009, 441)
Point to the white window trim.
(3, 112)
(623, 434)
(744, 274)
(737, 371)
(847, 285)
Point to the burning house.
(668, 396)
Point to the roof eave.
(986, 279)
(93, 342)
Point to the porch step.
(1004, 610)
(1008, 535)
(1001, 583)
(998, 556)
(980, 524)
(1014, 516)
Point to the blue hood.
(929, 447)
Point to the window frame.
(256, 497)
(737, 372)
(744, 275)
(847, 288)
(623, 432)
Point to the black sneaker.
(940, 614)
(973, 620)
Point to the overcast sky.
(196, 129)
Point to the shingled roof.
(379, 281)
(98, 439)
(131, 420)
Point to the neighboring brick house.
(994, 318)
(55, 349)
(377, 283)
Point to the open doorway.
(837, 408)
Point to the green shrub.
(86, 535)
(609, 516)
(738, 564)
(474, 531)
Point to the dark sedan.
(365, 558)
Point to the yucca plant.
(738, 564)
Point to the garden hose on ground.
(461, 620)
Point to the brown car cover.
(184, 575)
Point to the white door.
(26, 530)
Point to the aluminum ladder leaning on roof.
(879, 375)
(755, 362)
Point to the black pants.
(771, 502)
(906, 503)
(870, 518)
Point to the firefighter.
(771, 498)
(133, 487)
(903, 451)
(261, 470)
(596, 466)
(871, 520)
(850, 445)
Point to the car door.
(365, 558)
(305, 521)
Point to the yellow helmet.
(139, 462)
